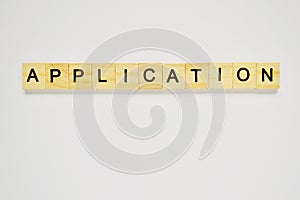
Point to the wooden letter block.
(103, 76)
(80, 76)
(268, 75)
(174, 76)
(150, 75)
(127, 75)
(244, 75)
(57, 76)
(33, 76)
(196, 75)
(220, 75)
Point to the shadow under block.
(127, 76)
(103, 75)
(33, 76)
(150, 76)
(220, 75)
(80, 76)
(244, 75)
(57, 76)
(196, 75)
(268, 75)
(174, 76)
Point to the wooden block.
(103, 76)
(220, 75)
(174, 76)
(268, 75)
(57, 76)
(196, 75)
(33, 76)
(127, 75)
(150, 76)
(244, 75)
(80, 76)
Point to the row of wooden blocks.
(150, 75)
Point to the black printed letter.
(32, 74)
(239, 71)
(52, 75)
(196, 74)
(146, 79)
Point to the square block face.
(33, 76)
(127, 76)
(174, 76)
(57, 76)
(196, 75)
(268, 75)
(80, 76)
(244, 75)
(104, 76)
(150, 76)
(220, 75)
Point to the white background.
(258, 155)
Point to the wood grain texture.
(202, 75)
(174, 76)
(220, 75)
(80, 82)
(131, 81)
(237, 75)
(108, 74)
(244, 75)
(60, 82)
(150, 75)
(272, 81)
(33, 76)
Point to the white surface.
(257, 157)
